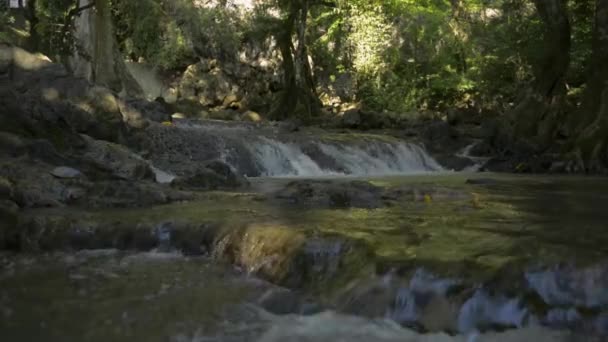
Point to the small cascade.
(275, 158)
(479, 161)
(375, 158)
(264, 151)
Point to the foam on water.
(283, 159)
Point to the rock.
(66, 172)
(270, 251)
(124, 194)
(251, 116)
(454, 116)
(290, 125)
(357, 194)
(9, 211)
(137, 112)
(440, 132)
(6, 188)
(116, 160)
(226, 114)
(107, 118)
(481, 181)
(453, 162)
(280, 301)
(229, 100)
(205, 84)
(482, 149)
(351, 118)
(12, 144)
(215, 175)
(33, 186)
(558, 167)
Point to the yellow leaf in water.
(476, 200)
(428, 199)
(167, 123)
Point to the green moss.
(513, 222)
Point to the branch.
(76, 11)
(327, 3)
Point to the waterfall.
(375, 158)
(265, 151)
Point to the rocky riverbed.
(113, 216)
(444, 253)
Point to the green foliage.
(5, 21)
(170, 34)
(154, 36)
(410, 55)
(55, 38)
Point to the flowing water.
(507, 252)
(269, 152)
(345, 238)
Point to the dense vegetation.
(537, 65)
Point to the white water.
(266, 151)
(376, 158)
(282, 159)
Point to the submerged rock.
(215, 175)
(571, 286)
(358, 194)
(66, 172)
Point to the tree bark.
(591, 140)
(34, 39)
(537, 115)
(97, 56)
(299, 96)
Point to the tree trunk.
(33, 43)
(536, 116)
(97, 56)
(299, 96)
(591, 140)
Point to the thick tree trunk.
(33, 43)
(536, 116)
(591, 140)
(97, 56)
(299, 96)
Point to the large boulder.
(116, 160)
(206, 84)
(30, 185)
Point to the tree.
(299, 94)
(536, 115)
(97, 56)
(591, 131)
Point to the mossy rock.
(6, 188)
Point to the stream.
(431, 257)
